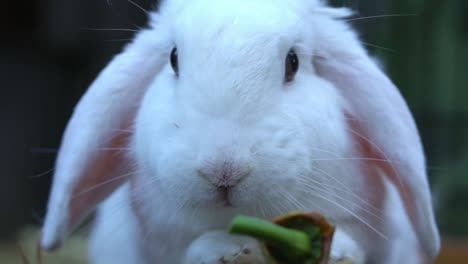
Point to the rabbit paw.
(219, 247)
(345, 250)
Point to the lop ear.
(89, 162)
(382, 123)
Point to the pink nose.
(224, 173)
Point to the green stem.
(297, 243)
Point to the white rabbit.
(256, 107)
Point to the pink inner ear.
(85, 172)
(378, 159)
(365, 150)
(106, 172)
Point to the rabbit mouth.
(223, 194)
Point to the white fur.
(115, 225)
(100, 113)
(230, 103)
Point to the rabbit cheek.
(280, 156)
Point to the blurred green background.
(48, 58)
(431, 70)
(429, 65)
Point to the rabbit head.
(251, 107)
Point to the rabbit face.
(223, 128)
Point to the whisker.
(346, 188)
(379, 47)
(381, 16)
(118, 40)
(400, 182)
(281, 207)
(121, 220)
(357, 158)
(42, 174)
(148, 234)
(289, 198)
(118, 205)
(111, 29)
(276, 207)
(102, 184)
(326, 151)
(261, 201)
(349, 201)
(309, 181)
(260, 208)
(138, 6)
(379, 233)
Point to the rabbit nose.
(224, 174)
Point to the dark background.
(49, 56)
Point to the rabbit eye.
(175, 61)
(292, 65)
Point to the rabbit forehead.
(209, 21)
(245, 36)
(226, 8)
